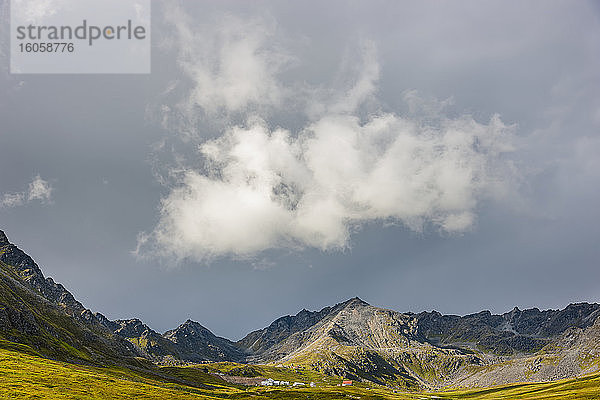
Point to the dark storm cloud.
(100, 143)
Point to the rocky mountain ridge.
(32, 275)
(509, 333)
(190, 342)
(43, 315)
(351, 339)
(358, 341)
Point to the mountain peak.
(3, 239)
(131, 327)
(355, 301)
(190, 324)
(189, 327)
(196, 343)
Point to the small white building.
(272, 382)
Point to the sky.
(281, 156)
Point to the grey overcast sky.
(288, 155)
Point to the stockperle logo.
(80, 36)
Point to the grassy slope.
(58, 335)
(26, 376)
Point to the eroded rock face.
(261, 340)
(102, 320)
(20, 320)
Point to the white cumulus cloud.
(261, 187)
(264, 189)
(38, 189)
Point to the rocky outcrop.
(102, 320)
(132, 328)
(20, 320)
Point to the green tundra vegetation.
(24, 375)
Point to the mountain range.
(352, 339)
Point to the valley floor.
(26, 376)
